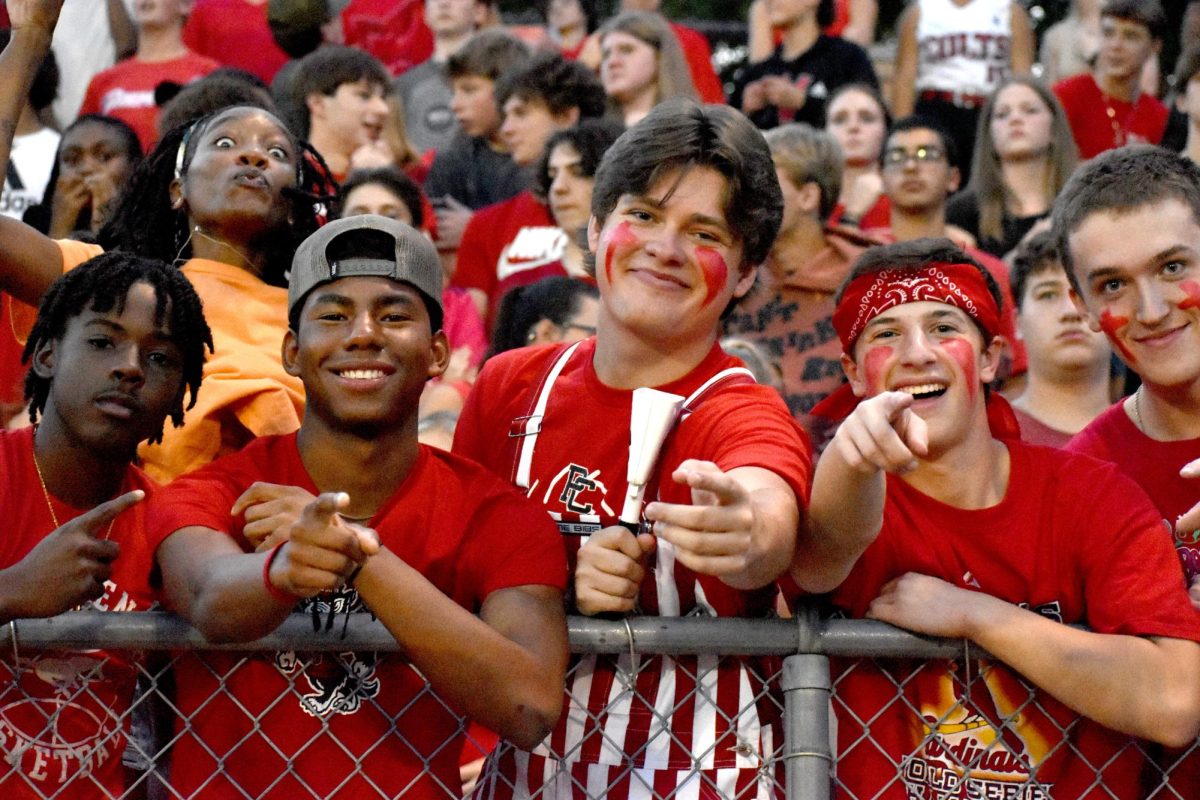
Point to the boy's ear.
(857, 384)
(290, 350)
(44, 359)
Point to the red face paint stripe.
(716, 272)
(1192, 289)
(621, 238)
(964, 353)
(1111, 324)
(875, 367)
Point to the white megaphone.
(651, 419)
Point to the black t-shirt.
(829, 64)
(962, 210)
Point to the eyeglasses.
(898, 157)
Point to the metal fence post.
(807, 686)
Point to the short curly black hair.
(102, 284)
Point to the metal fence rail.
(811, 669)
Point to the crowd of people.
(388, 307)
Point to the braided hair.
(145, 223)
(102, 284)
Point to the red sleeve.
(515, 543)
(699, 57)
(91, 98)
(473, 270)
(749, 426)
(501, 393)
(1134, 582)
(192, 32)
(201, 498)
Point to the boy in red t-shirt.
(348, 514)
(685, 206)
(1106, 107)
(932, 515)
(126, 90)
(118, 343)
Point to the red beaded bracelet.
(287, 598)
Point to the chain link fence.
(161, 713)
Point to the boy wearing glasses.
(920, 172)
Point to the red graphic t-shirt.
(63, 715)
(338, 724)
(1073, 540)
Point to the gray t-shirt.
(425, 94)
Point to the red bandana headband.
(960, 285)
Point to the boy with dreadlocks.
(117, 345)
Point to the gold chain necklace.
(1137, 411)
(46, 494)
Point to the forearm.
(1146, 687)
(512, 688)
(10, 596)
(232, 604)
(124, 34)
(18, 65)
(845, 514)
(209, 581)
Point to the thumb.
(647, 542)
(327, 505)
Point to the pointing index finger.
(93, 520)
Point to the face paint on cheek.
(875, 368)
(963, 352)
(716, 272)
(1192, 290)
(621, 238)
(1111, 324)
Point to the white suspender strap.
(534, 421)
(704, 387)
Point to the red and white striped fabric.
(638, 726)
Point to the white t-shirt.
(82, 45)
(32, 160)
(964, 48)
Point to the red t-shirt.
(394, 31)
(236, 34)
(1034, 431)
(12, 371)
(1073, 540)
(490, 230)
(1099, 122)
(292, 724)
(126, 91)
(877, 216)
(1154, 466)
(578, 474)
(698, 53)
(67, 713)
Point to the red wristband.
(287, 598)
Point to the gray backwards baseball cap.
(344, 248)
